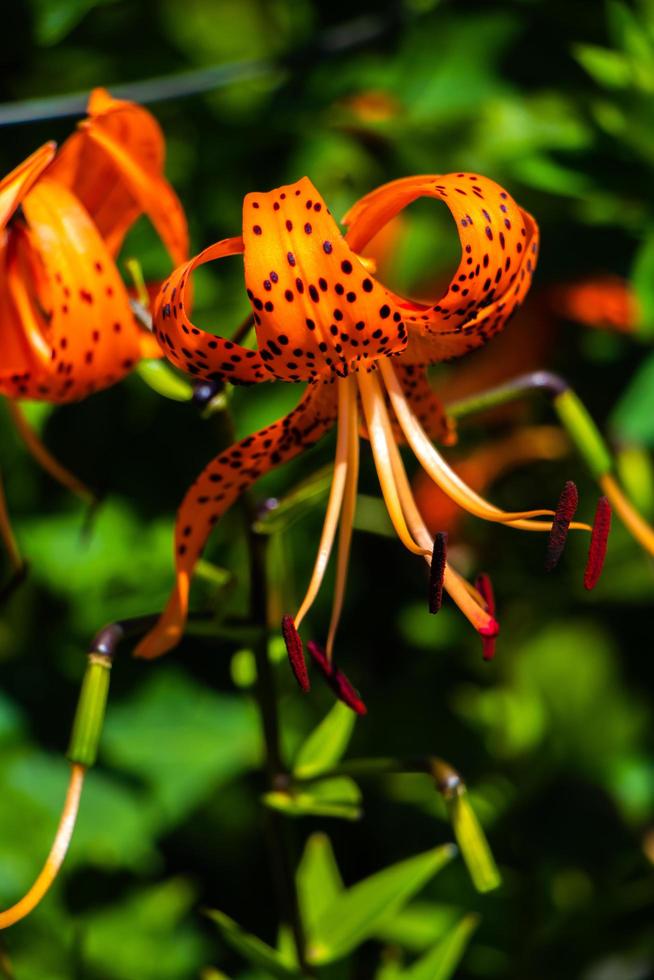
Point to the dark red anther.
(565, 511)
(484, 587)
(336, 679)
(598, 542)
(437, 572)
(293, 643)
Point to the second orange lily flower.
(66, 324)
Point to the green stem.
(276, 829)
(572, 413)
(275, 826)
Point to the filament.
(382, 449)
(641, 530)
(445, 477)
(347, 522)
(45, 458)
(7, 532)
(464, 595)
(334, 502)
(57, 852)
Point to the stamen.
(382, 450)
(565, 511)
(293, 642)
(397, 489)
(484, 587)
(598, 543)
(443, 475)
(335, 502)
(347, 523)
(462, 594)
(437, 572)
(336, 679)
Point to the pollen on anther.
(295, 652)
(437, 572)
(565, 511)
(598, 543)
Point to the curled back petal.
(220, 484)
(20, 323)
(79, 298)
(317, 309)
(499, 247)
(202, 354)
(17, 184)
(114, 165)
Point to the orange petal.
(499, 246)
(317, 309)
(86, 318)
(219, 485)
(18, 362)
(426, 405)
(16, 185)
(605, 302)
(114, 165)
(202, 354)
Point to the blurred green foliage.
(554, 737)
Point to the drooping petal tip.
(437, 572)
(598, 543)
(295, 652)
(565, 511)
(336, 679)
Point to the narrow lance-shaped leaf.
(356, 913)
(319, 881)
(330, 798)
(326, 743)
(467, 829)
(442, 960)
(251, 947)
(472, 841)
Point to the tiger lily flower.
(66, 324)
(323, 319)
(67, 328)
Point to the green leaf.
(182, 739)
(147, 935)
(302, 499)
(159, 376)
(472, 841)
(54, 19)
(418, 926)
(642, 280)
(326, 743)
(356, 913)
(441, 962)
(633, 417)
(319, 881)
(251, 947)
(330, 798)
(609, 68)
